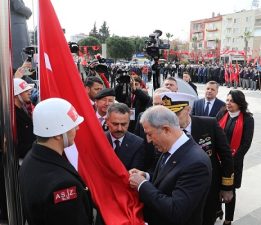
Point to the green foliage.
(104, 32)
(120, 47)
(90, 41)
(139, 43)
(94, 32)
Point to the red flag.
(231, 72)
(236, 78)
(101, 169)
(226, 73)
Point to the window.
(235, 20)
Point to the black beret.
(105, 92)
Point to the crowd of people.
(185, 156)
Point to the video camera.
(30, 51)
(74, 47)
(154, 44)
(122, 75)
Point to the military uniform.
(52, 191)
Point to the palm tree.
(169, 35)
(247, 35)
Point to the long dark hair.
(239, 98)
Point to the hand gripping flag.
(101, 169)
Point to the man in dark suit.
(210, 136)
(128, 147)
(182, 177)
(210, 105)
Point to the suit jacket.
(132, 152)
(199, 106)
(52, 191)
(178, 191)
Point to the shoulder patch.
(65, 194)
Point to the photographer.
(139, 101)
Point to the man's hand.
(225, 196)
(135, 180)
(20, 72)
(141, 173)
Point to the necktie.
(206, 109)
(164, 158)
(101, 119)
(117, 147)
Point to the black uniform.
(210, 136)
(25, 136)
(52, 191)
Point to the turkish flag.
(104, 174)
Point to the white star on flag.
(47, 62)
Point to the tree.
(90, 41)
(139, 43)
(104, 32)
(169, 35)
(246, 36)
(120, 47)
(94, 32)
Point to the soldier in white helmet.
(24, 124)
(51, 189)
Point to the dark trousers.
(230, 208)
(209, 215)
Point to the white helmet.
(54, 116)
(21, 86)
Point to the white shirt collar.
(179, 142)
(188, 128)
(113, 139)
(211, 101)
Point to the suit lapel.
(202, 107)
(125, 150)
(160, 173)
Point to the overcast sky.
(138, 17)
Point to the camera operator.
(139, 101)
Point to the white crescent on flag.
(72, 155)
(47, 62)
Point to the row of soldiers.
(231, 75)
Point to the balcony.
(211, 29)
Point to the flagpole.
(7, 124)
